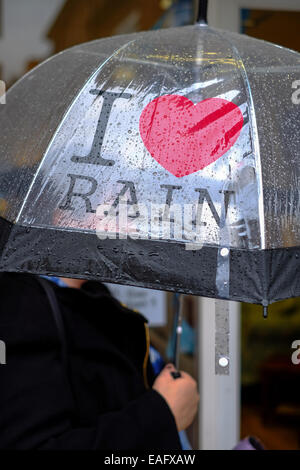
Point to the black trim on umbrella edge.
(256, 276)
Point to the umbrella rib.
(254, 136)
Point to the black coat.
(112, 406)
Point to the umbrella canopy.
(167, 159)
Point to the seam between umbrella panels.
(94, 74)
(253, 124)
(255, 140)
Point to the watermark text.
(157, 221)
(2, 353)
(2, 92)
(296, 354)
(296, 93)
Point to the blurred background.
(266, 381)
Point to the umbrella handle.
(201, 17)
(176, 374)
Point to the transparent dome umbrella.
(167, 159)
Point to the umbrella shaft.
(178, 329)
(202, 11)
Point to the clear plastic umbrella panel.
(166, 159)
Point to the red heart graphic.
(183, 137)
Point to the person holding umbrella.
(78, 374)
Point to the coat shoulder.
(18, 292)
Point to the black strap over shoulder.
(57, 316)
